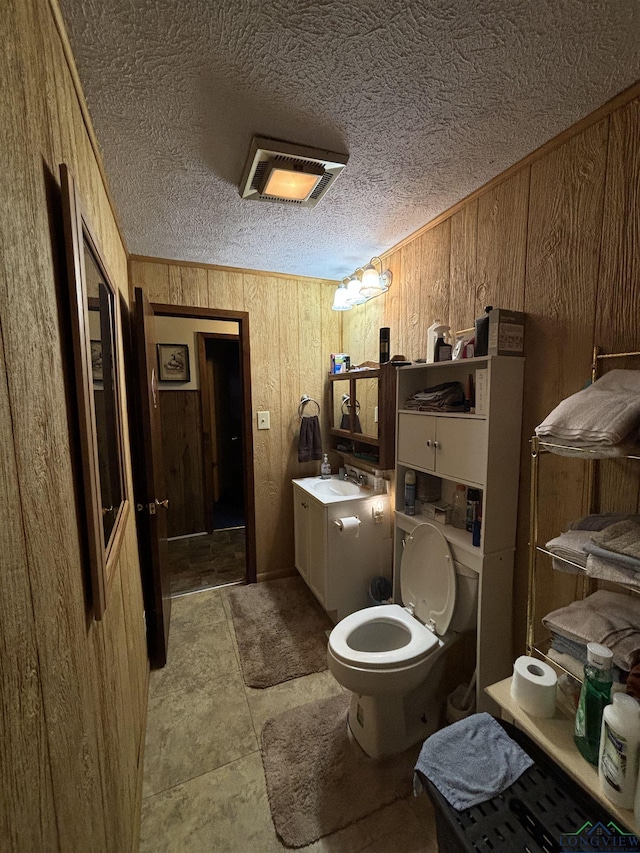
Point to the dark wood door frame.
(207, 427)
(242, 318)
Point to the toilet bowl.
(392, 657)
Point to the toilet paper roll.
(534, 686)
(349, 526)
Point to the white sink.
(333, 491)
(336, 487)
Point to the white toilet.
(391, 657)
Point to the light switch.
(264, 420)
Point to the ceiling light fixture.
(357, 289)
(281, 172)
(295, 183)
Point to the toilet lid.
(428, 577)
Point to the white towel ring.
(303, 402)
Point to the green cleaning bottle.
(594, 697)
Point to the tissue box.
(439, 511)
(506, 332)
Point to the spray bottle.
(431, 340)
(442, 349)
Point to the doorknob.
(164, 503)
(235, 437)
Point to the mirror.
(340, 413)
(367, 394)
(96, 343)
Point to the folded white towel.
(603, 414)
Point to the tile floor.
(204, 561)
(204, 786)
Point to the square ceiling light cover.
(289, 174)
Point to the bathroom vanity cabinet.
(481, 451)
(369, 424)
(338, 567)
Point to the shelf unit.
(481, 451)
(538, 639)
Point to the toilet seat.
(428, 577)
(420, 641)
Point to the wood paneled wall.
(72, 691)
(181, 417)
(292, 333)
(559, 238)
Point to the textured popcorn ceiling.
(430, 99)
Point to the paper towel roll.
(534, 686)
(349, 526)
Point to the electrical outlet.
(264, 420)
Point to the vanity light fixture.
(354, 289)
(362, 285)
(375, 282)
(340, 299)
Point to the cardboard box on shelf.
(506, 332)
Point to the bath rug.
(318, 778)
(280, 629)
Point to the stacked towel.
(614, 553)
(605, 617)
(600, 520)
(310, 440)
(471, 761)
(570, 546)
(603, 418)
(447, 397)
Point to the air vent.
(268, 154)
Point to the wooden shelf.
(555, 737)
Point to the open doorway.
(205, 414)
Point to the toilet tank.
(466, 609)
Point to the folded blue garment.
(471, 761)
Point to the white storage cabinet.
(482, 452)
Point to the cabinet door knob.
(436, 444)
(428, 442)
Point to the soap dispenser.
(325, 468)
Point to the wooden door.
(151, 499)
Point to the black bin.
(544, 811)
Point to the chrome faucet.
(358, 479)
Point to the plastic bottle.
(325, 468)
(594, 696)
(378, 482)
(473, 508)
(481, 346)
(459, 504)
(619, 741)
(431, 340)
(410, 493)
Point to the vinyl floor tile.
(192, 731)
(224, 811)
(196, 656)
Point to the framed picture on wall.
(173, 363)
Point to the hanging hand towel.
(310, 440)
